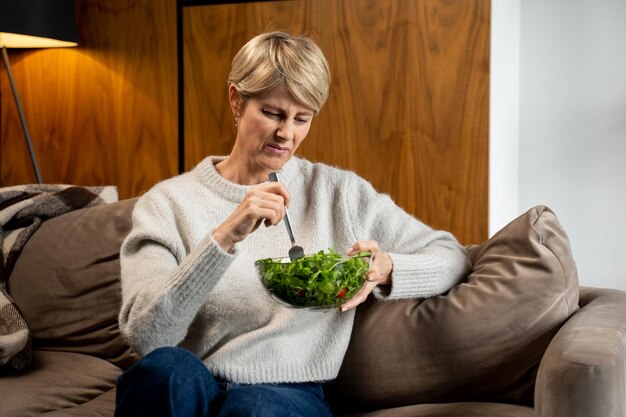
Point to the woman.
(214, 343)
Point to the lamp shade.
(37, 23)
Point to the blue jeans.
(172, 382)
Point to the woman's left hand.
(378, 274)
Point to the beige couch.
(516, 338)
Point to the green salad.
(320, 280)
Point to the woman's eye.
(302, 121)
(271, 115)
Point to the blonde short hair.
(276, 59)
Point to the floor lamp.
(34, 24)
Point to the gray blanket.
(22, 210)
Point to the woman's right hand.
(263, 203)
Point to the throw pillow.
(482, 341)
(23, 208)
(66, 282)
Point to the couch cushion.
(474, 409)
(66, 282)
(60, 381)
(482, 341)
(101, 406)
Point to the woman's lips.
(277, 148)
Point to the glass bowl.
(320, 281)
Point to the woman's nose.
(285, 130)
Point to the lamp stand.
(5, 56)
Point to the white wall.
(572, 124)
(573, 127)
(504, 97)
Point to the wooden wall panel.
(408, 108)
(104, 112)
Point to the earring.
(236, 120)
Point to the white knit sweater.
(180, 288)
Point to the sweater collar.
(236, 192)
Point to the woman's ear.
(235, 100)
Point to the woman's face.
(269, 130)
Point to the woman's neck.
(239, 173)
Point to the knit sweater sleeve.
(426, 262)
(164, 282)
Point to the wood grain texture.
(104, 112)
(408, 108)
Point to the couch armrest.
(583, 372)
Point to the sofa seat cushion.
(482, 341)
(453, 410)
(101, 406)
(66, 282)
(60, 381)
